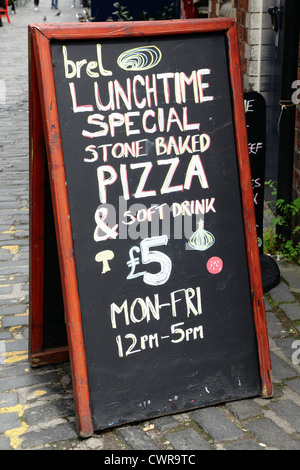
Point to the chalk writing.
(157, 197)
(189, 299)
(138, 125)
(178, 333)
(255, 110)
(147, 310)
(147, 257)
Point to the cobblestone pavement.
(36, 406)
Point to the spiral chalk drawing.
(139, 58)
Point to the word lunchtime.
(107, 175)
(147, 85)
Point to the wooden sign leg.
(38, 354)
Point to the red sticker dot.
(214, 265)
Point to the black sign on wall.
(153, 187)
(255, 110)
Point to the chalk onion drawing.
(201, 240)
(139, 58)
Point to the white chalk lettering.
(107, 176)
(146, 309)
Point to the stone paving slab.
(36, 406)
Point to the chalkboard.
(255, 111)
(153, 207)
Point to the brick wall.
(256, 38)
(241, 9)
(254, 41)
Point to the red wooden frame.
(46, 132)
(4, 11)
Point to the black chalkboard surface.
(150, 154)
(158, 334)
(255, 110)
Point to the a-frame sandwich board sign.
(140, 188)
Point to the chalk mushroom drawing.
(104, 257)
